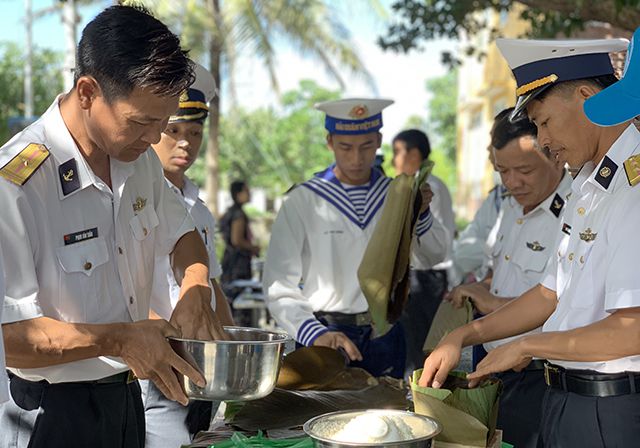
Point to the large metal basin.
(243, 368)
(425, 429)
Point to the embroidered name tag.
(83, 235)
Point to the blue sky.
(398, 76)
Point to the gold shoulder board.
(632, 168)
(25, 163)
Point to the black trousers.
(68, 415)
(571, 420)
(426, 292)
(521, 407)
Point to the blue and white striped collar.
(326, 185)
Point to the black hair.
(601, 82)
(125, 47)
(504, 130)
(415, 139)
(237, 186)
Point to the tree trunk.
(28, 68)
(213, 147)
(69, 21)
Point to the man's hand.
(441, 361)
(144, 348)
(478, 293)
(193, 315)
(427, 196)
(337, 340)
(506, 357)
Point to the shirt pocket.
(144, 223)
(83, 257)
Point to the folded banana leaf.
(469, 415)
(384, 269)
(321, 368)
(446, 320)
(288, 409)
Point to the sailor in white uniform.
(320, 236)
(178, 148)
(588, 299)
(524, 236)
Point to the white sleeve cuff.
(20, 310)
(622, 299)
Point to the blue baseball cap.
(619, 102)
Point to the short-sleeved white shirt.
(524, 244)
(595, 270)
(76, 250)
(166, 290)
(4, 385)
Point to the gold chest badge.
(535, 246)
(588, 235)
(139, 204)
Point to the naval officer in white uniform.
(524, 235)
(178, 148)
(588, 300)
(320, 236)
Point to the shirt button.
(507, 257)
(145, 232)
(501, 237)
(131, 300)
(87, 266)
(571, 256)
(120, 250)
(581, 211)
(519, 221)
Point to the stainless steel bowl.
(425, 429)
(243, 368)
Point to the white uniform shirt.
(76, 250)
(469, 247)
(166, 290)
(318, 239)
(4, 385)
(595, 271)
(442, 208)
(524, 244)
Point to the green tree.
(274, 149)
(221, 31)
(47, 81)
(418, 21)
(442, 126)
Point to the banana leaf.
(321, 368)
(239, 440)
(468, 415)
(446, 320)
(384, 270)
(288, 409)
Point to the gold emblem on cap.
(139, 204)
(359, 111)
(588, 235)
(68, 176)
(184, 97)
(605, 172)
